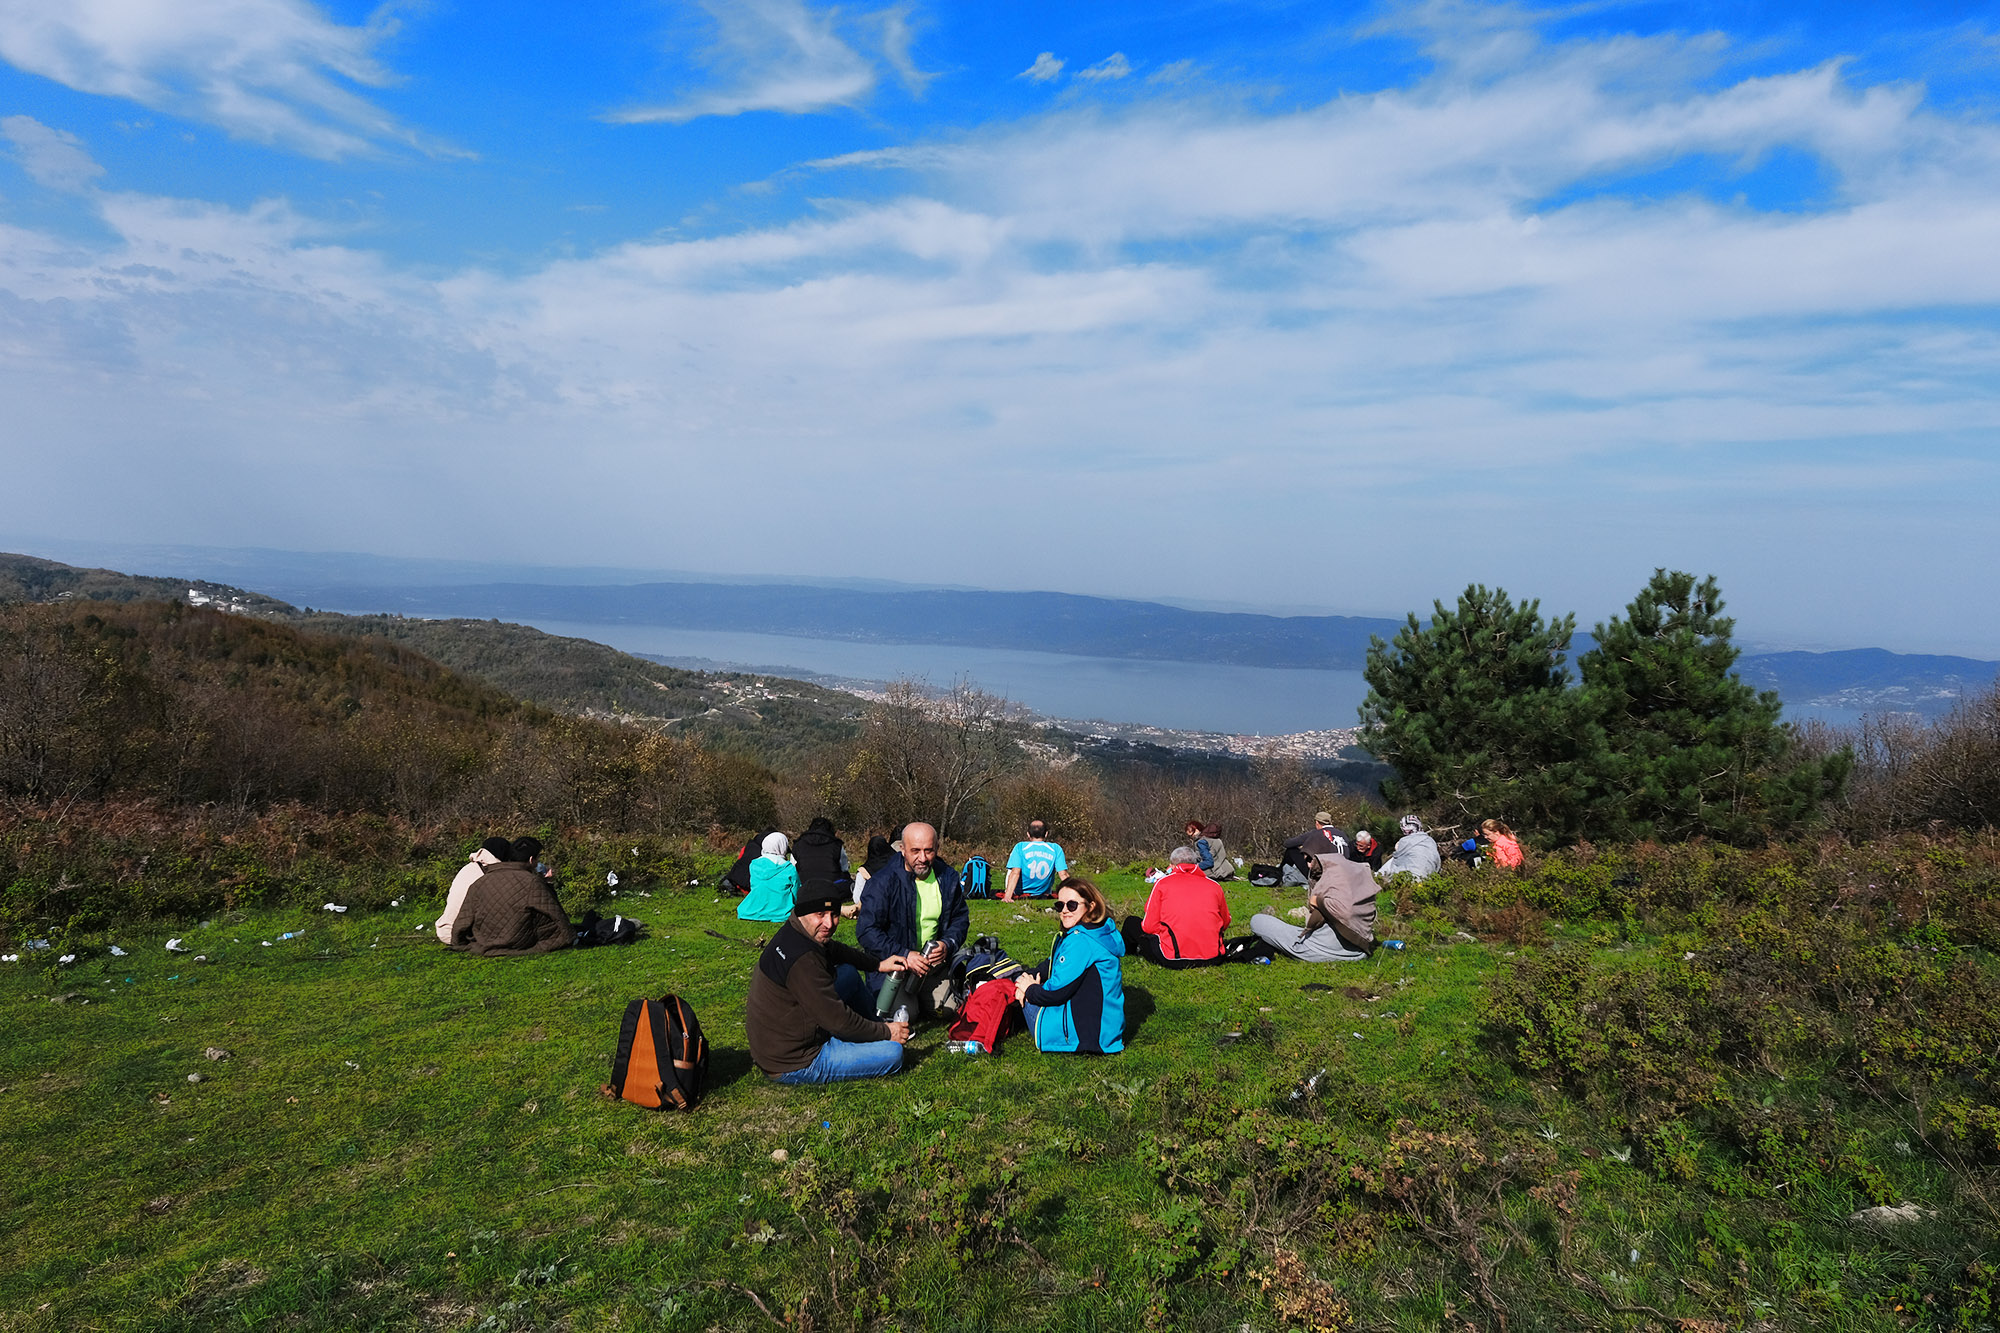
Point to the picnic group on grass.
(820, 1010)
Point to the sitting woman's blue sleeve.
(1205, 855)
(1066, 974)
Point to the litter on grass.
(331, 907)
(117, 952)
(175, 946)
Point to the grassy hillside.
(24, 578)
(770, 719)
(1645, 1090)
(103, 700)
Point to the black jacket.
(737, 877)
(818, 857)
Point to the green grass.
(403, 1137)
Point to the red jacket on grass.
(1189, 913)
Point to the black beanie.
(499, 847)
(816, 899)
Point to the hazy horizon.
(1264, 304)
(214, 565)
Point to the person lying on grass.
(1340, 915)
(1185, 916)
(808, 1016)
(913, 908)
(1075, 1002)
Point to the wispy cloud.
(1113, 66)
(1439, 284)
(273, 71)
(785, 55)
(1045, 69)
(55, 158)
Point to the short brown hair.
(1095, 908)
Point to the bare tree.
(932, 757)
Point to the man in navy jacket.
(914, 909)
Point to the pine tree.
(1475, 712)
(1690, 749)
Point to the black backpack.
(1266, 877)
(594, 930)
(662, 1057)
(982, 961)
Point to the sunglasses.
(1069, 904)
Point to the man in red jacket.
(1186, 915)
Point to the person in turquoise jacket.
(774, 883)
(1075, 1003)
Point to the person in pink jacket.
(1186, 915)
(1500, 839)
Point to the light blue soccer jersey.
(1039, 864)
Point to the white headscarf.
(776, 845)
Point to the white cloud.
(1113, 66)
(1429, 289)
(784, 55)
(898, 35)
(274, 71)
(1045, 68)
(55, 158)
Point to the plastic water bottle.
(964, 1048)
(1392, 944)
(902, 1014)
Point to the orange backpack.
(662, 1057)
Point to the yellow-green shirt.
(930, 907)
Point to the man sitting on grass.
(1185, 917)
(807, 1012)
(914, 909)
(510, 911)
(1340, 916)
(1035, 866)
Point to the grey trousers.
(1322, 946)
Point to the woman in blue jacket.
(1078, 1003)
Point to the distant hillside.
(767, 718)
(24, 578)
(1036, 621)
(1869, 679)
(776, 719)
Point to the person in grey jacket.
(1340, 916)
(1416, 853)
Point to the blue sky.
(1262, 303)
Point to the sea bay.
(1187, 696)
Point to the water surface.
(1184, 696)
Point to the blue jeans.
(852, 990)
(840, 1060)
